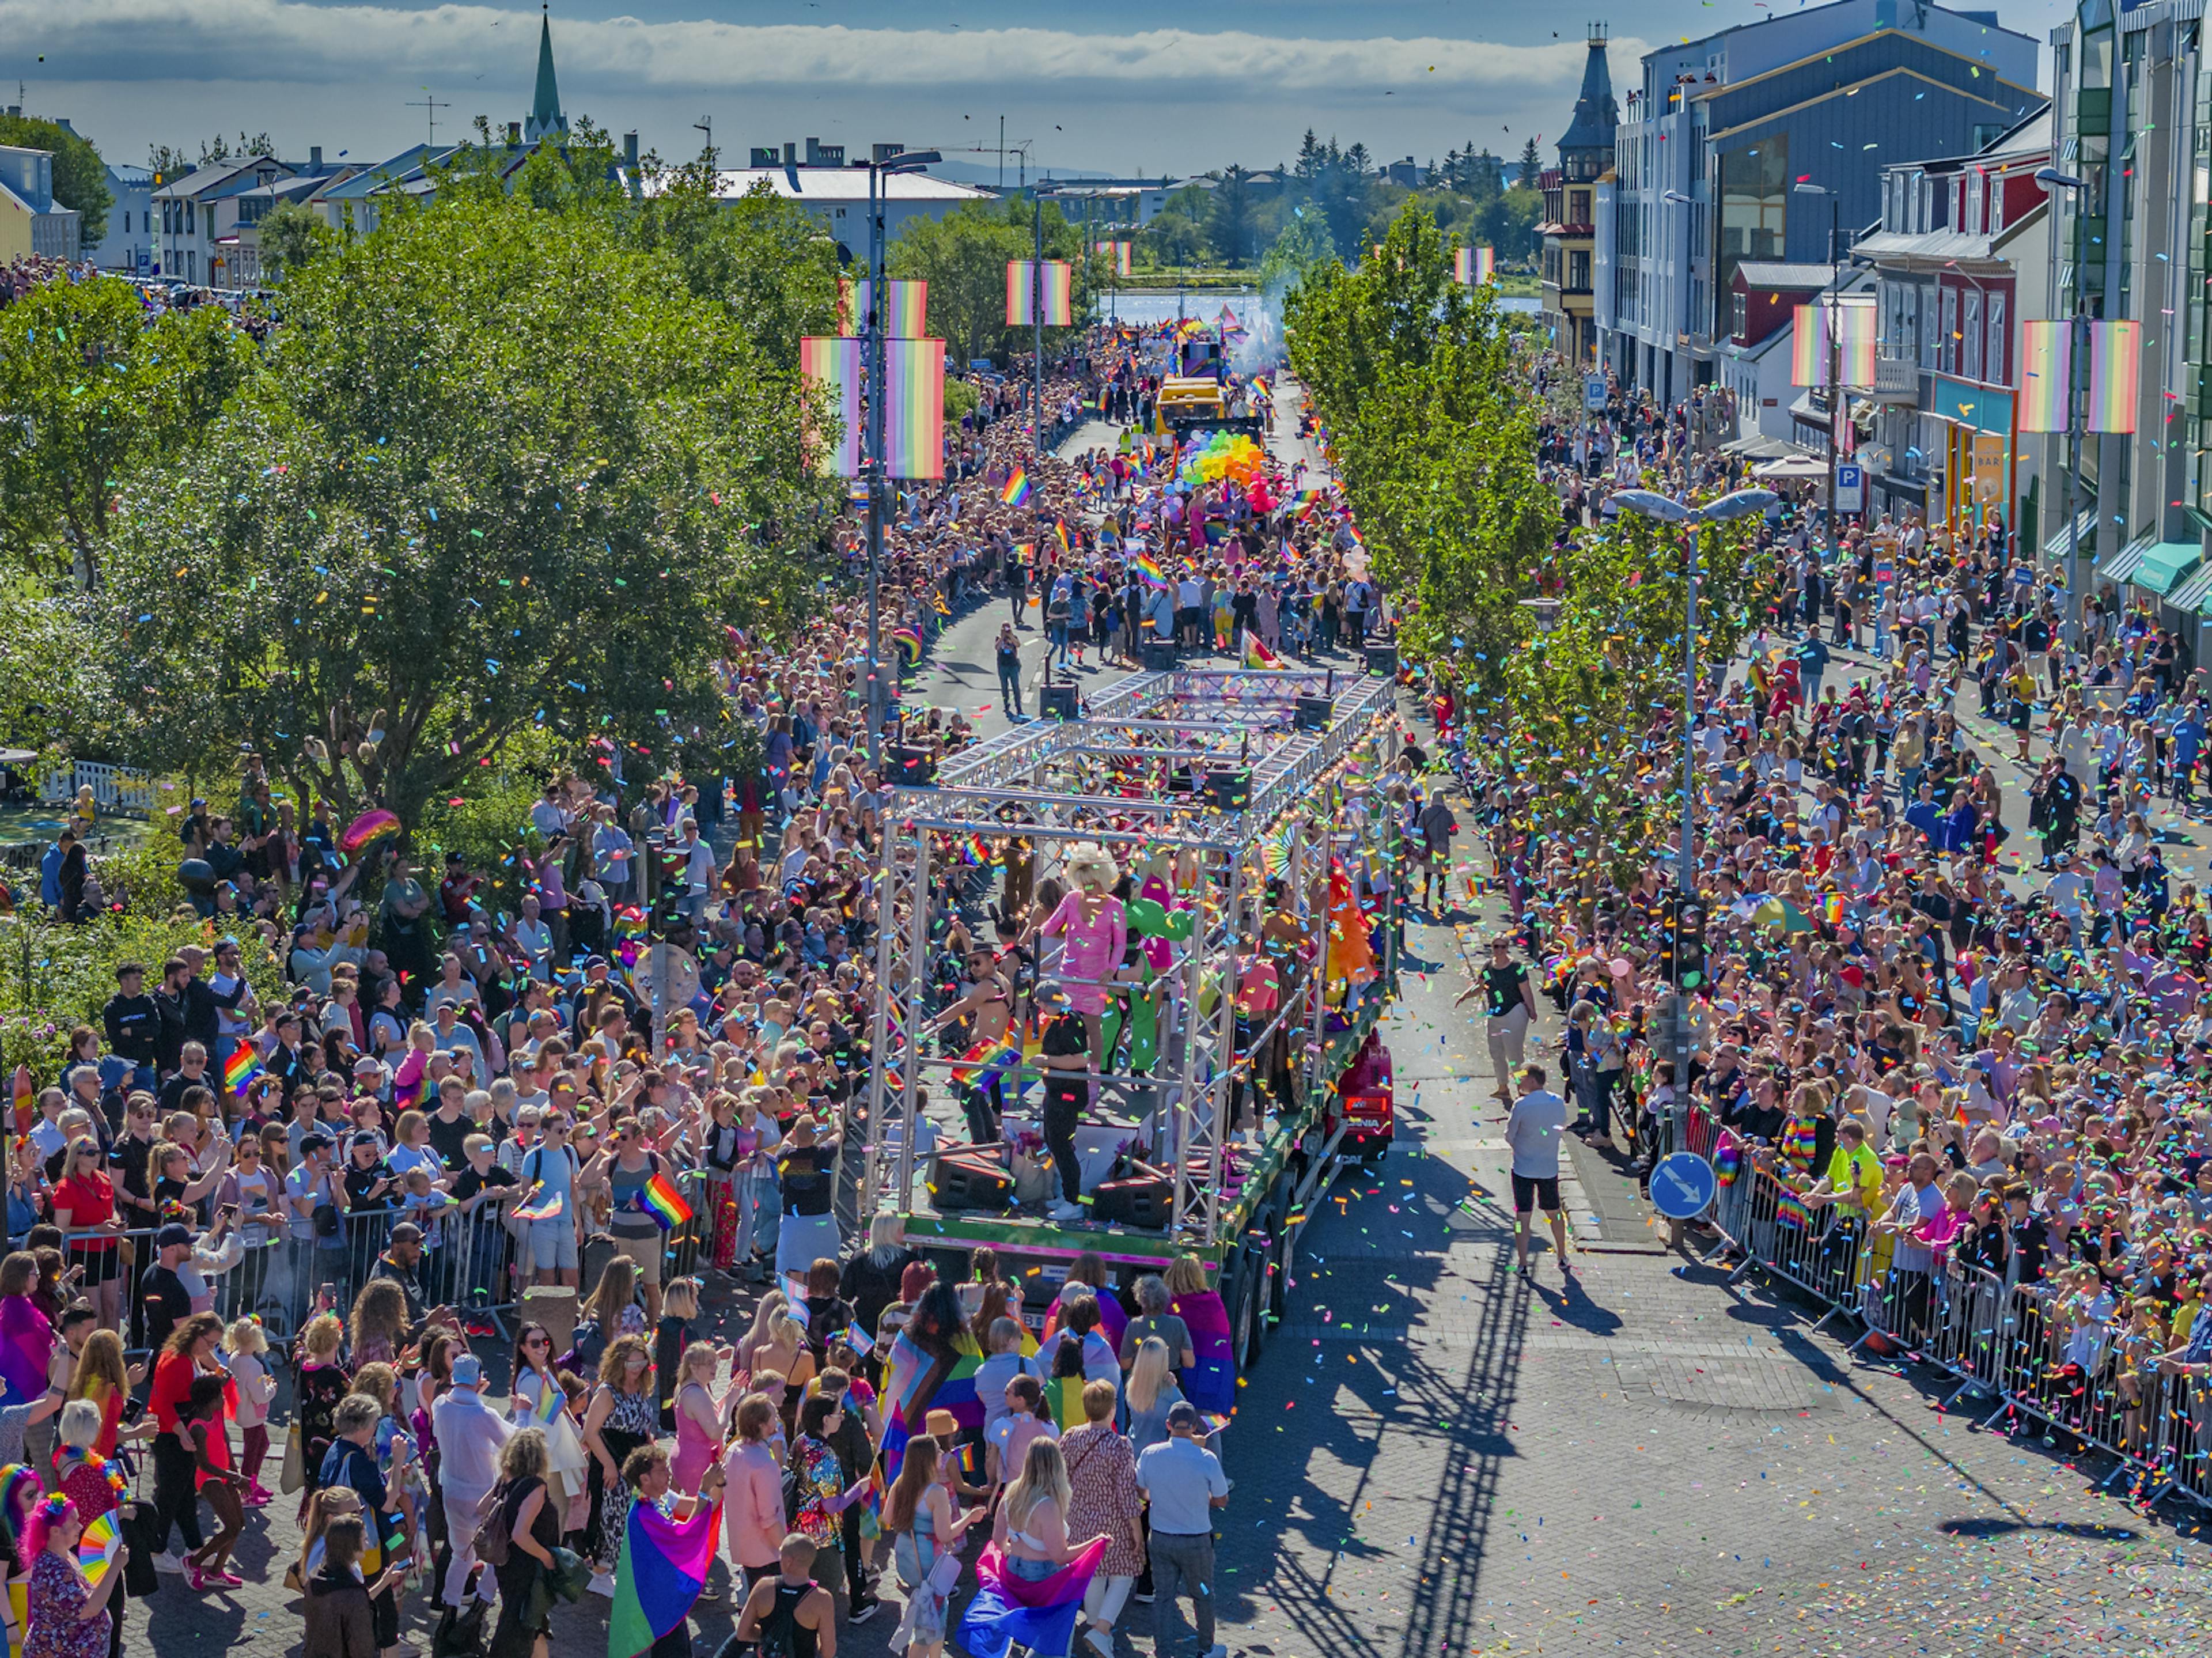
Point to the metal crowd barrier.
(474, 1262)
(2025, 1346)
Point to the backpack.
(796, 1486)
(493, 1539)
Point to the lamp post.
(1664, 509)
(909, 160)
(1677, 198)
(2077, 361)
(1036, 313)
(1828, 327)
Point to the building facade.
(31, 221)
(1570, 191)
(1721, 137)
(131, 244)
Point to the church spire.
(545, 116)
(1597, 114)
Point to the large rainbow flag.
(917, 1381)
(663, 1563)
(1039, 1615)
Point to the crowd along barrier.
(2036, 1353)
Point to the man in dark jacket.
(133, 1023)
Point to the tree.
(292, 233)
(498, 470)
(80, 176)
(764, 259)
(1302, 246)
(166, 162)
(1531, 165)
(89, 391)
(217, 150)
(1229, 215)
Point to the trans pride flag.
(1038, 1615)
(917, 1381)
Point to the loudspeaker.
(1142, 1200)
(1159, 656)
(913, 768)
(1058, 701)
(1383, 659)
(1313, 713)
(1230, 791)
(969, 1180)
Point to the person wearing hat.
(402, 1263)
(1185, 1483)
(162, 1294)
(469, 1435)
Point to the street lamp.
(1676, 199)
(1036, 316)
(1545, 612)
(906, 161)
(2077, 359)
(1664, 509)
(1835, 369)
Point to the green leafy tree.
(498, 471)
(80, 176)
(963, 256)
(293, 233)
(87, 391)
(765, 260)
(1302, 247)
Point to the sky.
(1133, 87)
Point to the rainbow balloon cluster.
(1223, 455)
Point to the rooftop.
(840, 184)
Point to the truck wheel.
(1255, 1296)
(1279, 1255)
(1238, 1299)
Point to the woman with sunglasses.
(539, 1402)
(84, 1202)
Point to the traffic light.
(1688, 943)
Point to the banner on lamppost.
(903, 317)
(1024, 288)
(2046, 371)
(1855, 328)
(913, 409)
(832, 364)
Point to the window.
(1755, 185)
(1946, 353)
(1973, 221)
(1970, 362)
(1997, 204)
(1994, 365)
(1740, 321)
(190, 216)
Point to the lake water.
(1245, 304)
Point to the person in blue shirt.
(50, 876)
(2187, 737)
(1813, 664)
(1924, 815)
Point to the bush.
(960, 398)
(53, 976)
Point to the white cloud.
(138, 41)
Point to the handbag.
(494, 1539)
(293, 1474)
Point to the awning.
(2122, 565)
(1759, 447)
(2193, 596)
(2166, 563)
(2060, 545)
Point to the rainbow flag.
(1060, 529)
(1116, 255)
(1257, 655)
(989, 1057)
(1831, 909)
(2046, 366)
(663, 1566)
(659, 1199)
(1855, 324)
(1790, 1210)
(243, 1065)
(26, 1097)
(831, 369)
(1017, 490)
(913, 409)
(1026, 285)
(1063, 1400)
(1009, 1610)
(902, 314)
(536, 1208)
(908, 639)
(1148, 568)
(2114, 376)
(976, 851)
(1473, 265)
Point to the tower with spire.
(546, 119)
(1570, 191)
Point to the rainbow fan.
(373, 825)
(96, 1549)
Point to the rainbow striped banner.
(1025, 285)
(2114, 376)
(1471, 265)
(1856, 326)
(913, 409)
(2046, 371)
(831, 365)
(1116, 255)
(903, 316)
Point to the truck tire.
(1237, 1300)
(1280, 1255)
(1256, 1279)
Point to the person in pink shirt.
(1096, 928)
(752, 1507)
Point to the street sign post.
(1682, 1186)
(1594, 392)
(1850, 487)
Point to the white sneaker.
(166, 1562)
(1102, 1641)
(602, 1584)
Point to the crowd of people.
(265, 1239)
(1955, 1017)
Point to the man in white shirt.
(470, 1435)
(1532, 1128)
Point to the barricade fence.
(2035, 1352)
(476, 1262)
